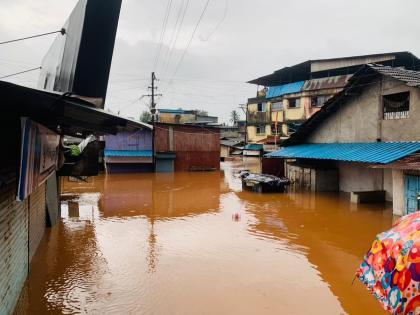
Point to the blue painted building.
(130, 150)
(365, 141)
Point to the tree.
(234, 117)
(146, 116)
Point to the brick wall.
(13, 247)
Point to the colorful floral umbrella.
(391, 268)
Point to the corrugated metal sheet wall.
(195, 147)
(13, 248)
(37, 219)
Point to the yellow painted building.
(181, 116)
(286, 111)
(293, 94)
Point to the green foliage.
(146, 116)
(74, 150)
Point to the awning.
(377, 152)
(128, 153)
(254, 147)
(72, 114)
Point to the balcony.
(258, 118)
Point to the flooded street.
(170, 244)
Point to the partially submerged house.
(253, 150)
(293, 94)
(130, 150)
(231, 147)
(186, 147)
(364, 141)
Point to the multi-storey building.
(293, 94)
(182, 116)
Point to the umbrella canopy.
(391, 268)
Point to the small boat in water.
(263, 182)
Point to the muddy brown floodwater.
(171, 244)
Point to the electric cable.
(162, 34)
(21, 72)
(190, 40)
(178, 31)
(62, 31)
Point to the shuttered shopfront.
(13, 248)
(37, 219)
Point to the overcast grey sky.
(237, 40)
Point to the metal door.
(412, 191)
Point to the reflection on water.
(194, 243)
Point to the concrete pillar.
(398, 192)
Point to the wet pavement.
(194, 243)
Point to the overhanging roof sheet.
(253, 147)
(377, 152)
(125, 153)
(276, 91)
(72, 114)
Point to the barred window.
(260, 129)
(318, 101)
(277, 106)
(396, 106)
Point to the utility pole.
(244, 108)
(153, 112)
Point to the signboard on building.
(38, 158)
(79, 61)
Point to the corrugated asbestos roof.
(411, 162)
(410, 77)
(377, 152)
(337, 81)
(232, 142)
(302, 71)
(276, 91)
(125, 153)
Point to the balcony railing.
(259, 118)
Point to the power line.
(62, 31)
(162, 34)
(191, 39)
(178, 31)
(218, 24)
(17, 73)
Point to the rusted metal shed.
(196, 148)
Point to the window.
(319, 101)
(261, 130)
(277, 106)
(294, 102)
(261, 107)
(396, 106)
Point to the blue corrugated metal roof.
(276, 91)
(142, 153)
(378, 152)
(254, 147)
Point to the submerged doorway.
(412, 193)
